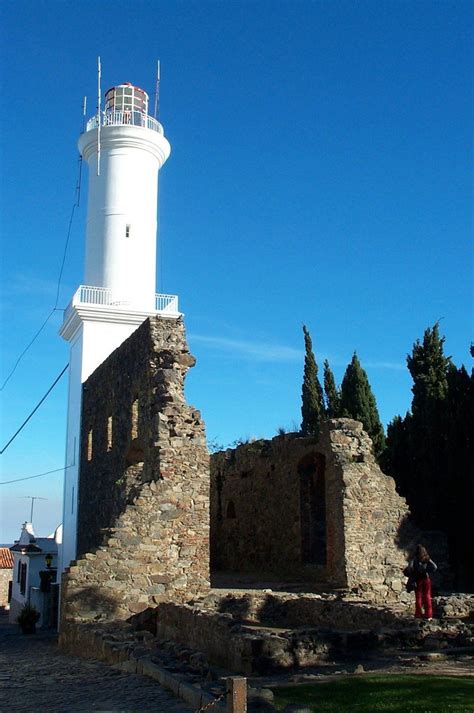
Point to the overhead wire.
(38, 475)
(63, 261)
(34, 410)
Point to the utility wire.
(63, 261)
(65, 251)
(27, 347)
(34, 410)
(39, 475)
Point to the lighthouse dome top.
(126, 97)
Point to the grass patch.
(396, 694)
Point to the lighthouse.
(124, 148)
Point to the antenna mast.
(84, 109)
(157, 92)
(98, 114)
(79, 178)
(32, 498)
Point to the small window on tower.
(127, 231)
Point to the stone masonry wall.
(143, 521)
(371, 511)
(6, 576)
(258, 512)
(252, 494)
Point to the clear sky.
(320, 173)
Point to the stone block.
(191, 694)
(152, 670)
(156, 589)
(171, 682)
(137, 607)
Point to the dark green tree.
(312, 403)
(430, 452)
(358, 402)
(396, 457)
(429, 369)
(331, 392)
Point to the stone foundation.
(260, 633)
(143, 523)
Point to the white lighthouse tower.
(125, 148)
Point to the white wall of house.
(27, 567)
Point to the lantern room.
(126, 98)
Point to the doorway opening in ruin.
(311, 471)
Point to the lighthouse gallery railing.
(104, 296)
(125, 118)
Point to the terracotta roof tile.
(6, 558)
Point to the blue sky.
(320, 173)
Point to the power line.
(67, 243)
(27, 347)
(34, 410)
(63, 261)
(39, 475)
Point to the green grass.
(394, 694)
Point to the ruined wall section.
(143, 522)
(255, 508)
(256, 512)
(372, 513)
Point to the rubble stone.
(143, 522)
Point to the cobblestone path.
(36, 677)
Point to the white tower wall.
(121, 217)
(120, 270)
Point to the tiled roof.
(6, 558)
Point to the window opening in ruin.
(89, 445)
(127, 231)
(311, 471)
(135, 419)
(72, 500)
(231, 510)
(109, 433)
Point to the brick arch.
(311, 471)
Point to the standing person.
(419, 569)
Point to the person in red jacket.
(419, 570)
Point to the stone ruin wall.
(143, 520)
(259, 508)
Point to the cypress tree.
(358, 402)
(312, 404)
(332, 393)
(429, 368)
(430, 452)
(396, 459)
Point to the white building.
(124, 148)
(32, 556)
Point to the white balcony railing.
(125, 118)
(105, 297)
